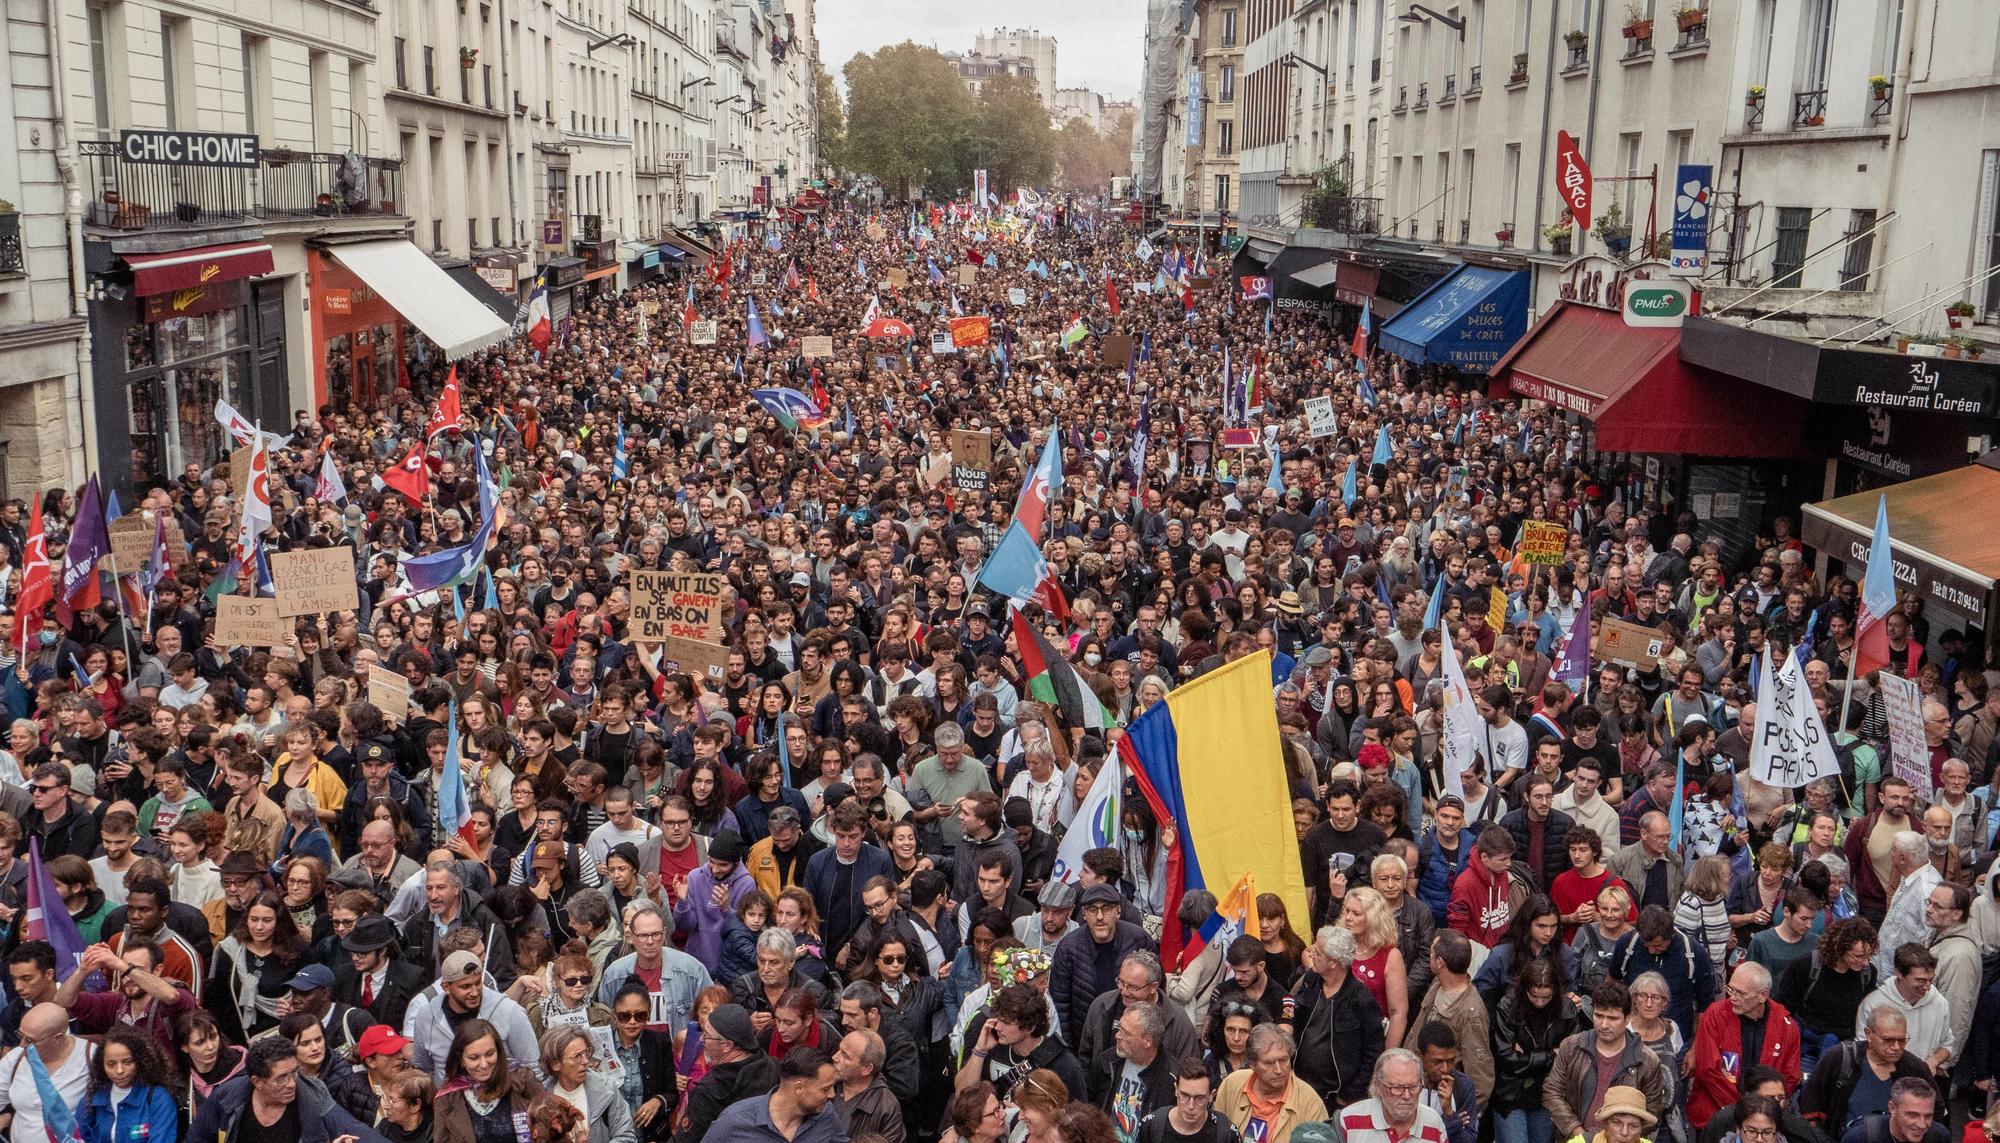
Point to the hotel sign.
(188, 149)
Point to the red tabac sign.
(1573, 178)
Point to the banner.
(1464, 730)
(1320, 420)
(818, 345)
(1693, 187)
(1543, 542)
(1902, 702)
(979, 189)
(701, 333)
(1573, 179)
(1791, 747)
(969, 331)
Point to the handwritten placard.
(1543, 542)
(1903, 704)
(968, 275)
(1117, 349)
(132, 542)
(701, 333)
(681, 611)
(817, 345)
(1629, 644)
(1017, 295)
(899, 278)
(244, 622)
(389, 693)
(1320, 421)
(316, 580)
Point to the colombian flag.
(1208, 759)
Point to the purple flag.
(88, 542)
(45, 918)
(1573, 661)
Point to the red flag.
(410, 477)
(812, 290)
(1573, 178)
(1111, 295)
(444, 418)
(37, 581)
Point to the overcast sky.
(1098, 42)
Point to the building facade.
(1037, 48)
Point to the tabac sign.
(188, 149)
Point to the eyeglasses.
(631, 1017)
(1191, 1096)
(40, 788)
(893, 958)
(1403, 1089)
(1238, 1008)
(576, 981)
(1757, 1132)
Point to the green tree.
(1085, 159)
(908, 115)
(1011, 137)
(832, 120)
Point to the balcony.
(1809, 108)
(1450, 93)
(1423, 96)
(1343, 214)
(1472, 81)
(284, 186)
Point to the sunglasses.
(891, 959)
(631, 1017)
(576, 981)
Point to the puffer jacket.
(1524, 1049)
(1555, 845)
(1572, 1082)
(1073, 978)
(1438, 870)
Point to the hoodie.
(1483, 904)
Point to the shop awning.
(1467, 320)
(1941, 554)
(203, 266)
(632, 251)
(424, 294)
(1631, 384)
(670, 254)
(469, 280)
(1318, 277)
(680, 240)
(1260, 251)
(604, 271)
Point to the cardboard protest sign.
(899, 278)
(1902, 701)
(315, 580)
(682, 612)
(244, 622)
(1320, 420)
(968, 275)
(876, 233)
(1117, 349)
(389, 692)
(1629, 644)
(132, 542)
(818, 345)
(971, 459)
(701, 333)
(1543, 542)
(1017, 295)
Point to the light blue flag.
(1276, 480)
(1382, 451)
(1434, 614)
(1348, 492)
(492, 601)
(758, 338)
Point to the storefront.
(1943, 555)
(173, 332)
(562, 276)
(1884, 416)
(1467, 321)
(362, 296)
(1681, 435)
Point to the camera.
(878, 807)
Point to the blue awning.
(1467, 320)
(671, 255)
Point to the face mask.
(1092, 658)
(1134, 836)
(48, 638)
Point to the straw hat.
(1623, 1100)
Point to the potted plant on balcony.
(468, 57)
(1504, 236)
(1520, 72)
(1576, 39)
(1687, 19)
(1879, 85)
(1959, 345)
(1638, 25)
(1557, 234)
(1613, 230)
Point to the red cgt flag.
(1111, 295)
(444, 418)
(410, 476)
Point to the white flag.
(1790, 747)
(242, 429)
(1464, 729)
(256, 498)
(1096, 823)
(331, 489)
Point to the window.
(1524, 24)
(1443, 192)
(1225, 85)
(1221, 193)
(254, 54)
(1452, 44)
(1225, 137)
(1375, 64)
(1511, 174)
(1788, 259)
(173, 55)
(1229, 27)
(1889, 37)
(1760, 52)
(430, 70)
(1628, 154)
(1353, 36)
(402, 64)
(1860, 249)
(1465, 168)
(1817, 47)
(100, 67)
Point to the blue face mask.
(1134, 836)
(48, 638)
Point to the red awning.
(1631, 384)
(204, 266)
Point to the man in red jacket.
(1745, 1027)
(1484, 897)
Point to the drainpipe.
(80, 457)
(1548, 109)
(507, 85)
(1906, 39)
(1597, 45)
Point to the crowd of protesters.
(812, 896)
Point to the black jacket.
(1158, 1078)
(1823, 1097)
(1073, 976)
(725, 1084)
(321, 1120)
(1555, 844)
(1338, 1037)
(405, 980)
(420, 939)
(1524, 1049)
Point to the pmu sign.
(1655, 302)
(1573, 179)
(188, 149)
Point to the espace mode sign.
(187, 149)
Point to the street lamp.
(622, 40)
(1418, 14)
(704, 81)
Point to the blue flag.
(58, 1118)
(1276, 480)
(1434, 614)
(1348, 492)
(758, 339)
(1382, 452)
(1367, 389)
(618, 460)
(848, 416)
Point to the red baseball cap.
(379, 1040)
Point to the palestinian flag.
(1075, 331)
(1051, 679)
